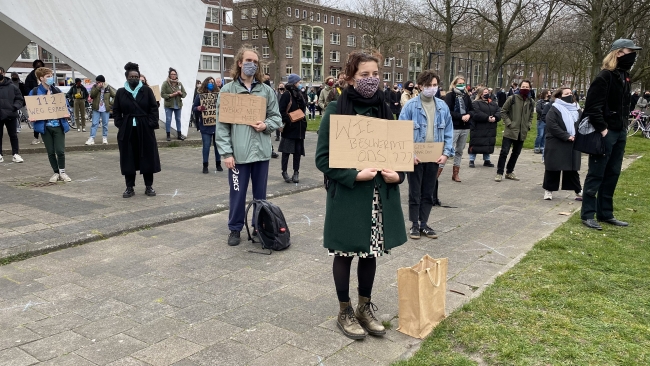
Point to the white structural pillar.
(100, 37)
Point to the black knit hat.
(77, 80)
(100, 78)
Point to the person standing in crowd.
(293, 133)
(491, 95)
(312, 99)
(560, 158)
(11, 100)
(31, 81)
(54, 130)
(395, 97)
(322, 98)
(267, 80)
(462, 111)
(78, 94)
(136, 117)
(102, 95)
(207, 132)
(514, 89)
(634, 99)
(278, 95)
(517, 114)
(173, 92)
(246, 150)
(607, 105)
(144, 80)
(501, 97)
(642, 103)
(15, 78)
(409, 93)
(540, 108)
(363, 215)
(431, 123)
(336, 91)
(483, 130)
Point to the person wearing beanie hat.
(102, 95)
(79, 96)
(293, 134)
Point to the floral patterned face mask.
(367, 86)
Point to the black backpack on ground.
(270, 226)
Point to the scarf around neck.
(174, 84)
(351, 97)
(569, 113)
(459, 106)
(127, 87)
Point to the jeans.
(209, 141)
(486, 157)
(54, 141)
(168, 119)
(422, 186)
(13, 137)
(505, 149)
(96, 117)
(312, 111)
(460, 139)
(540, 141)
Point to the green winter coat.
(517, 116)
(166, 90)
(348, 215)
(109, 97)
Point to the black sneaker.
(233, 238)
(149, 191)
(488, 163)
(428, 232)
(128, 193)
(274, 155)
(414, 233)
(471, 164)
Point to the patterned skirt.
(376, 233)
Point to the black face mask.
(567, 99)
(626, 62)
(409, 88)
(133, 83)
(646, 96)
(485, 96)
(15, 79)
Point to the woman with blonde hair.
(462, 110)
(607, 105)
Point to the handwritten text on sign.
(209, 101)
(242, 109)
(364, 142)
(45, 107)
(428, 152)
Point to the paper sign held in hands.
(45, 107)
(365, 142)
(241, 109)
(209, 101)
(156, 92)
(428, 152)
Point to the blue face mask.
(299, 86)
(210, 86)
(50, 80)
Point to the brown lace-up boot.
(366, 317)
(348, 323)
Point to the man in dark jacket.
(79, 95)
(608, 105)
(31, 81)
(11, 100)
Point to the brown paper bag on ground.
(421, 292)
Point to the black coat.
(11, 99)
(456, 117)
(501, 98)
(292, 130)
(125, 109)
(31, 81)
(483, 134)
(609, 110)
(395, 97)
(558, 151)
(541, 108)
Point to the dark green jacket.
(109, 97)
(348, 215)
(517, 116)
(166, 90)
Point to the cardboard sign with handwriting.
(45, 107)
(156, 92)
(209, 101)
(365, 142)
(428, 152)
(241, 109)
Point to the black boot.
(205, 168)
(169, 137)
(219, 168)
(128, 193)
(149, 191)
(295, 177)
(286, 178)
(488, 163)
(181, 137)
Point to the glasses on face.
(172, 74)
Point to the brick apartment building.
(316, 41)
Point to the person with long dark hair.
(293, 133)
(173, 92)
(207, 132)
(483, 130)
(136, 117)
(363, 209)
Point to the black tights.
(365, 275)
(285, 162)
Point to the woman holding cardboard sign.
(207, 132)
(364, 214)
(292, 109)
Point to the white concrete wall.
(101, 36)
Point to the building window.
(211, 39)
(335, 56)
(348, 23)
(352, 40)
(30, 52)
(331, 19)
(289, 69)
(335, 71)
(289, 52)
(244, 34)
(265, 51)
(254, 13)
(256, 48)
(212, 16)
(318, 17)
(297, 13)
(289, 11)
(354, 24)
(335, 38)
(338, 20)
(210, 62)
(387, 61)
(46, 56)
(264, 34)
(289, 32)
(255, 33)
(387, 76)
(399, 77)
(265, 12)
(304, 14)
(311, 15)
(266, 69)
(399, 62)
(400, 48)
(325, 18)
(244, 13)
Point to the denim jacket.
(444, 132)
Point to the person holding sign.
(246, 149)
(293, 133)
(52, 130)
(136, 117)
(363, 211)
(210, 89)
(173, 92)
(432, 122)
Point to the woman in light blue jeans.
(173, 92)
(207, 132)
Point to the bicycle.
(638, 122)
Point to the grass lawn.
(312, 125)
(579, 297)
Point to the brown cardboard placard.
(209, 101)
(156, 92)
(241, 109)
(365, 142)
(46, 107)
(428, 152)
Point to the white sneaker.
(64, 177)
(548, 195)
(55, 178)
(91, 141)
(17, 159)
(105, 141)
(36, 141)
(579, 194)
(2, 160)
(78, 129)
(83, 129)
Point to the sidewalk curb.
(113, 146)
(25, 251)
